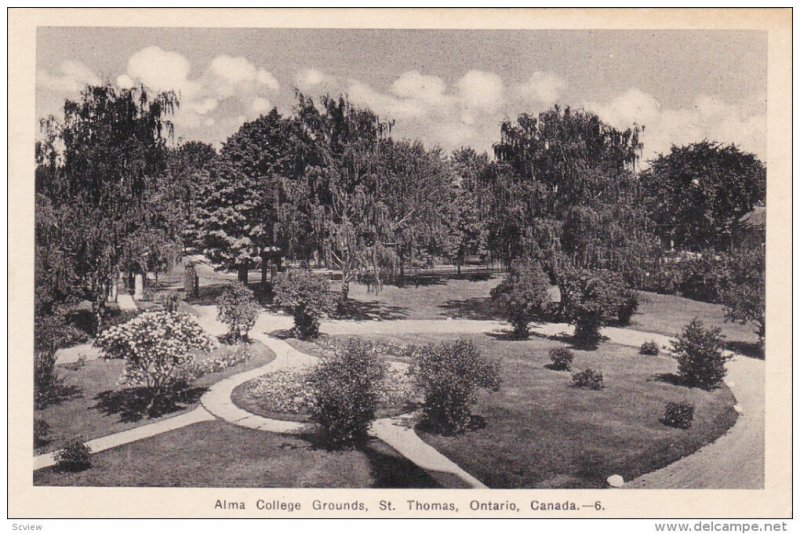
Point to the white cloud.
(541, 87)
(481, 90)
(742, 123)
(315, 80)
(70, 77)
(235, 81)
(160, 70)
(228, 74)
(416, 86)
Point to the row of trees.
(329, 184)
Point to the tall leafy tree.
(697, 193)
(341, 183)
(470, 205)
(242, 213)
(95, 169)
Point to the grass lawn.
(668, 314)
(93, 404)
(540, 432)
(217, 454)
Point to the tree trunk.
(242, 273)
(264, 271)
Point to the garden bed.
(539, 431)
(94, 404)
(285, 394)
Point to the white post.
(138, 291)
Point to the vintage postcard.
(444, 263)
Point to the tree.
(745, 293)
(96, 169)
(564, 189)
(338, 195)
(243, 216)
(697, 192)
(470, 211)
(523, 295)
(699, 351)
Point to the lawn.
(540, 432)
(217, 454)
(668, 314)
(94, 404)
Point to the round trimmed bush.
(74, 456)
(345, 393)
(307, 296)
(237, 308)
(678, 414)
(522, 295)
(449, 375)
(649, 348)
(588, 378)
(562, 358)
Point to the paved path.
(735, 460)
(135, 434)
(397, 432)
(126, 303)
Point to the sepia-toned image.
(267, 257)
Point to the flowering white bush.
(157, 348)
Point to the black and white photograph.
(373, 258)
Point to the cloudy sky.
(448, 88)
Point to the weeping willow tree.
(565, 189)
(98, 169)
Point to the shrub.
(744, 296)
(46, 381)
(678, 415)
(41, 433)
(237, 308)
(307, 296)
(74, 456)
(345, 393)
(157, 348)
(522, 296)
(649, 348)
(51, 332)
(588, 378)
(561, 358)
(701, 361)
(449, 375)
(628, 305)
(591, 299)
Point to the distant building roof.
(755, 218)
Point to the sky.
(450, 88)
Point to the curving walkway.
(735, 460)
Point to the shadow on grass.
(476, 422)
(131, 404)
(58, 393)
(435, 279)
(477, 308)
(358, 310)
(746, 348)
(669, 378)
(390, 470)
